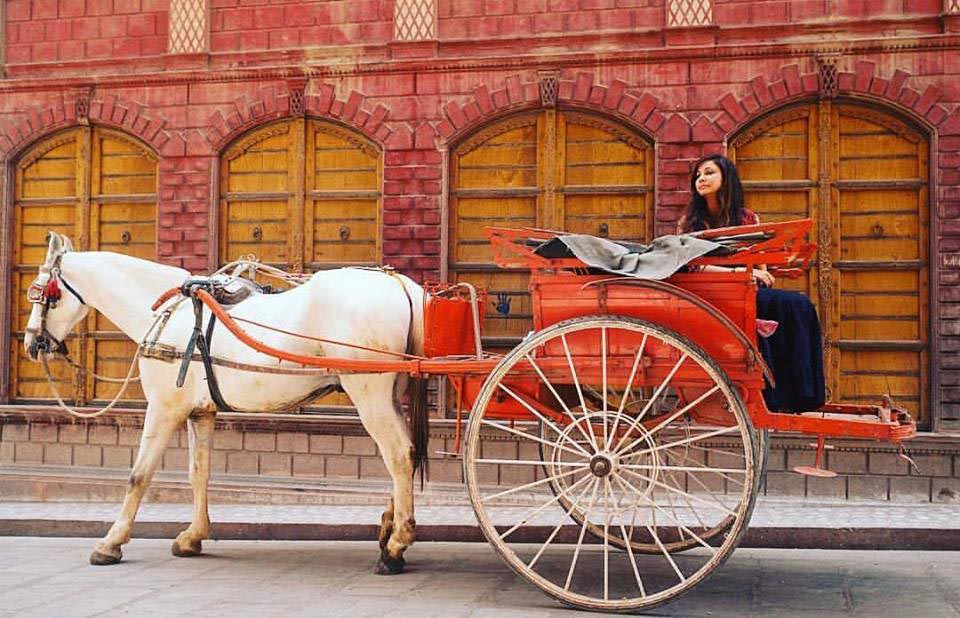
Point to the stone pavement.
(776, 522)
(50, 577)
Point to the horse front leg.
(200, 434)
(158, 427)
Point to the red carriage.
(613, 458)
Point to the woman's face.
(709, 178)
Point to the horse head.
(57, 307)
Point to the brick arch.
(486, 105)
(791, 86)
(40, 121)
(227, 124)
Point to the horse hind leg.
(374, 401)
(158, 427)
(200, 433)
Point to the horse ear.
(54, 243)
(67, 245)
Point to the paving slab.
(50, 577)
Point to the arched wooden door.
(303, 195)
(862, 175)
(99, 187)
(550, 169)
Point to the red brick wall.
(688, 91)
(57, 30)
(285, 24)
(510, 18)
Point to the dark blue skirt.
(793, 352)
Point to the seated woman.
(794, 351)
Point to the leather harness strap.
(201, 342)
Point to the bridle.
(47, 294)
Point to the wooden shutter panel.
(302, 195)
(99, 187)
(861, 174)
(552, 169)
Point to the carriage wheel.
(630, 473)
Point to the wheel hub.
(601, 465)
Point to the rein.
(126, 381)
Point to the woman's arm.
(761, 275)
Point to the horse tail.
(416, 387)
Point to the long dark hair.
(730, 197)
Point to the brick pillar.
(184, 234)
(411, 203)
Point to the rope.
(100, 412)
(330, 341)
(259, 267)
(84, 371)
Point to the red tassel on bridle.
(52, 292)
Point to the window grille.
(684, 13)
(189, 26)
(415, 20)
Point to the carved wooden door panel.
(862, 175)
(302, 195)
(552, 169)
(99, 187)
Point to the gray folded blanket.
(658, 260)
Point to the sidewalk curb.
(917, 539)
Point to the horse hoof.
(388, 566)
(193, 549)
(99, 558)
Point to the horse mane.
(139, 268)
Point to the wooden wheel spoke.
(576, 383)
(542, 418)
(528, 436)
(583, 531)
(693, 497)
(652, 400)
(531, 462)
(542, 481)
(626, 390)
(682, 468)
(560, 400)
(541, 508)
(633, 560)
(665, 422)
(704, 436)
(657, 507)
(556, 529)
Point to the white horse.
(359, 306)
